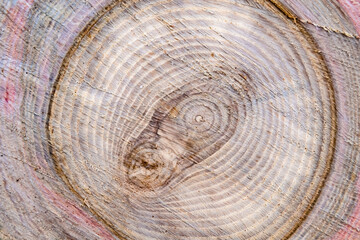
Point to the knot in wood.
(150, 165)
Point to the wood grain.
(162, 119)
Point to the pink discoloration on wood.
(8, 97)
(352, 8)
(11, 94)
(15, 22)
(73, 212)
(351, 229)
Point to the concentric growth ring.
(194, 119)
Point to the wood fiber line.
(187, 157)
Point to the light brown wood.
(199, 119)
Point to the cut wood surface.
(180, 119)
